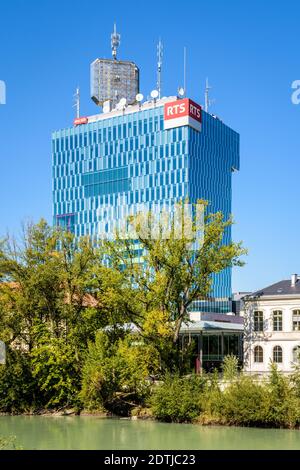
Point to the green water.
(100, 433)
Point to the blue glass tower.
(128, 157)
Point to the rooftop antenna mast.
(77, 102)
(208, 101)
(159, 67)
(182, 89)
(184, 70)
(115, 42)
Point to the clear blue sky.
(248, 49)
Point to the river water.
(35, 432)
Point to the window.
(277, 320)
(258, 321)
(296, 320)
(258, 354)
(277, 354)
(296, 354)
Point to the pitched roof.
(279, 288)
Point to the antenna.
(159, 66)
(77, 102)
(208, 101)
(115, 42)
(184, 69)
(181, 92)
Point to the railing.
(217, 357)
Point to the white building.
(272, 327)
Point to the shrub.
(210, 399)
(17, 391)
(270, 403)
(230, 367)
(8, 443)
(295, 379)
(178, 399)
(116, 376)
(284, 404)
(243, 402)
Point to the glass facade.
(211, 348)
(130, 159)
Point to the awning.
(198, 326)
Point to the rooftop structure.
(113, 80)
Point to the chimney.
(294, 279)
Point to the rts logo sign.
(80, 121)
(183, 113)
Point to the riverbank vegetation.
(242, 401)
(87, 327)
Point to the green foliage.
(244, 402)
(45, 289)
(230, 367)
(155, 295)
(17, 389)
(178, 399)
(63, 311)
(249, 401)
(116, 375)
(46, 319)
(99, 373)
(284, 405)
(295, 379)
(8, 443)
(56, 373)
(63, 314)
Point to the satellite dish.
(139, 97)
(154, 94)
(181, 92)
(122, 102)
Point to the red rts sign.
(185, 107)
(183, 112)
(81, 120)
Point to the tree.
(156, 291)
(57, 292)
(48, 306)
(116, 372)
(47, 287)
(56, 373)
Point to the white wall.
(268, 339)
